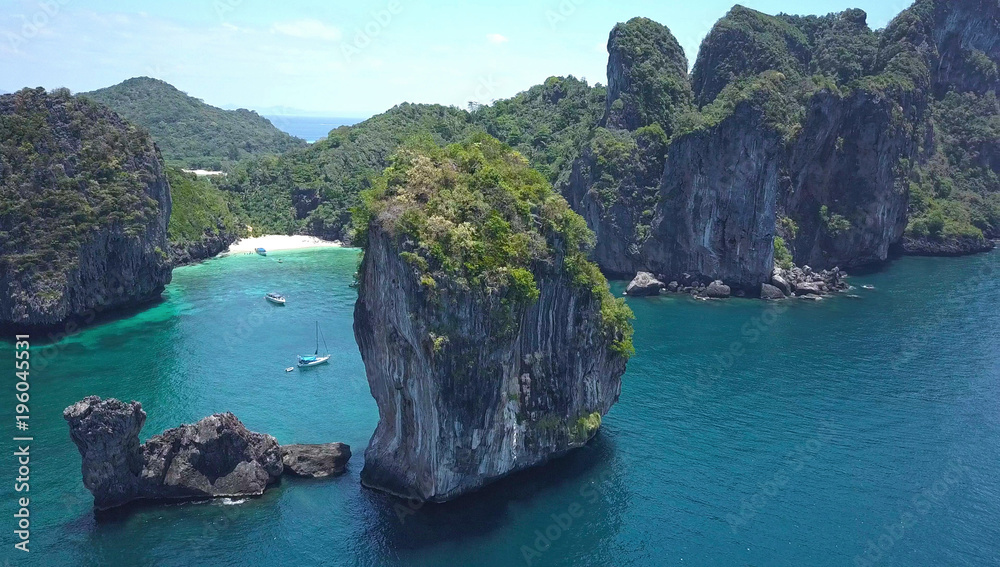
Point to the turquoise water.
(747, 434)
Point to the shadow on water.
(46, 335)
(410, 525)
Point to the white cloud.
(496, 38)
(308, 29)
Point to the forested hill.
(312, 190)
(189, 132)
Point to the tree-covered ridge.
(199, 208)
(312, 190)
(475, 216)
(189, 132)
(69, 168)
(548, 123)
(743, 44)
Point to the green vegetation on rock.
(189, 132)
(475, 216)
(199, 208)
(548, 123)
(69, 168)
(649, 82)
(312, 190)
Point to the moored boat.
(261, 251)
(275, 298)
(315, 359)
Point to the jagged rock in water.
(479, 373)
(316, 461)
(718, 290)
(779, 281)
(644, 284)
(208, 246)
(768, 291)
(107, 434)
(218, 456)
(953, 247)
(215, 457)
(86, 206)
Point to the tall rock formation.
(490, 343)
(614, 183)
(716, 214)
(813, 129)
(86, 207)
(849, 193)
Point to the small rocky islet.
(213, 458)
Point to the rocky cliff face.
(614, 183)
(967, 43)
(718, 195)
(215, 457)
(848, 194)
(88, 205)
(209, 246)
(490, 343)
(812, 129)
(483, 406)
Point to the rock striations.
(86, 204)
(216, 457)
(838, 140)
(490, 343)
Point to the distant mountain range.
(189, 132)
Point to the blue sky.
(343, 58)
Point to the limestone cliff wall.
(86, 203)
(718, 197)
(464, 397)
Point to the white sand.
(204, 172)
(275, 242)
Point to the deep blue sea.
(846, 432)
(310, 128)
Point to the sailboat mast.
(317, 338)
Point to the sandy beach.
(276, 242)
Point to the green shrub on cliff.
(199, 208)
(476, 216)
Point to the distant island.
(190, 133)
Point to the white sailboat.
(305, 361)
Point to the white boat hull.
(275, 301)
(317, 362)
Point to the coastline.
(276, 242)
